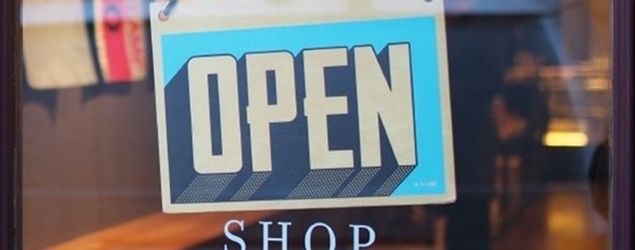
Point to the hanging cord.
(164, 15)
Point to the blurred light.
(597, 84)
(566, 215)
(565, 139)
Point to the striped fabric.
(120, 40)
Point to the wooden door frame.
(622, 146)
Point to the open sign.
(309, 109)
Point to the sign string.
(164, 15)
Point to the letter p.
(356, 238)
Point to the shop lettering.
(381, 97)
(282, 242)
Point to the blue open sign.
(333, 113)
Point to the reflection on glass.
(530, 90)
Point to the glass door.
(540, 102)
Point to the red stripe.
(114, 37)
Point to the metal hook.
(164, 15)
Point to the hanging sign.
(302, 104)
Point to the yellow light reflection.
(565, 139)
(597, 84)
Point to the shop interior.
(531, 107)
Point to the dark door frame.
(623, 140)
(622, 149)
(10, 122)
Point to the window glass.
(530, 102)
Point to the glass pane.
(530, 102)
